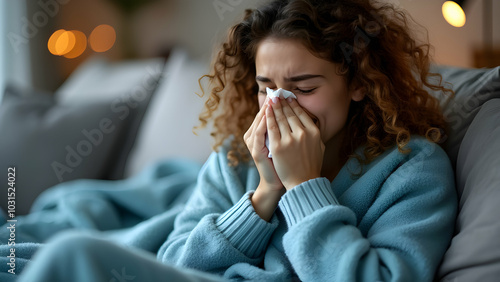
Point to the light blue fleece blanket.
(391, 223)
(138, 211)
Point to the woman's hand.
(295, 142)
(270, 189)
(255, 140)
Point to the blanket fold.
(138, 211)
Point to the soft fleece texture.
(394, 223)
(137, 213)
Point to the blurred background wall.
(454, 46)
(14, 58)
(150, 28)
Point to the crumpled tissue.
(273, 95)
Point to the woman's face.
(287, 64)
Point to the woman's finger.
(304, 118)
(256, 120)
(260, 133)
(280, 118)
(261, 112)
(273, 131)
(293, 119)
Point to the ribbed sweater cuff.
(244, 228)
(305, 198)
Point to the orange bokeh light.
(54, 41)
(80, 45)
(102, 38)
(65, 43)
(73, 43)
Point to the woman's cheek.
(311, 106)
(304, 101)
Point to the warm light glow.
(102, 38)
(65, 43)
(80, 45)
(453, 14)
(53, 41)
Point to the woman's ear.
(358, 94)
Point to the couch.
(107, 121)
(111, 120)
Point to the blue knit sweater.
(393, 223)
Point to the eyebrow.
(303, 77)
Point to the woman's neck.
(331, 161)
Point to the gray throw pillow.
(474, 254)
(49, 143)
(473, 87)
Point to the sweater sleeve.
(219, 227)
(402, 236)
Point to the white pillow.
(166, 130)
(97, 79)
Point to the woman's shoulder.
(219, 163)
(233, 181)
(426, 162)
(425, 171)
(418, 148)
(419, 155)
(425, 150)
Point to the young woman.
(357, 188)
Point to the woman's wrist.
(295, 182)
(265, 201)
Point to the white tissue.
(279, 93)
(273, 95)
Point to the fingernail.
(275, 100)
(289, 99)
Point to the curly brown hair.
(375, 49)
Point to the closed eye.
(306, 91)
(302, 91)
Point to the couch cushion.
(474, 254)
(100, 80)
(473, 87)
(49, 143)
(167, 128)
